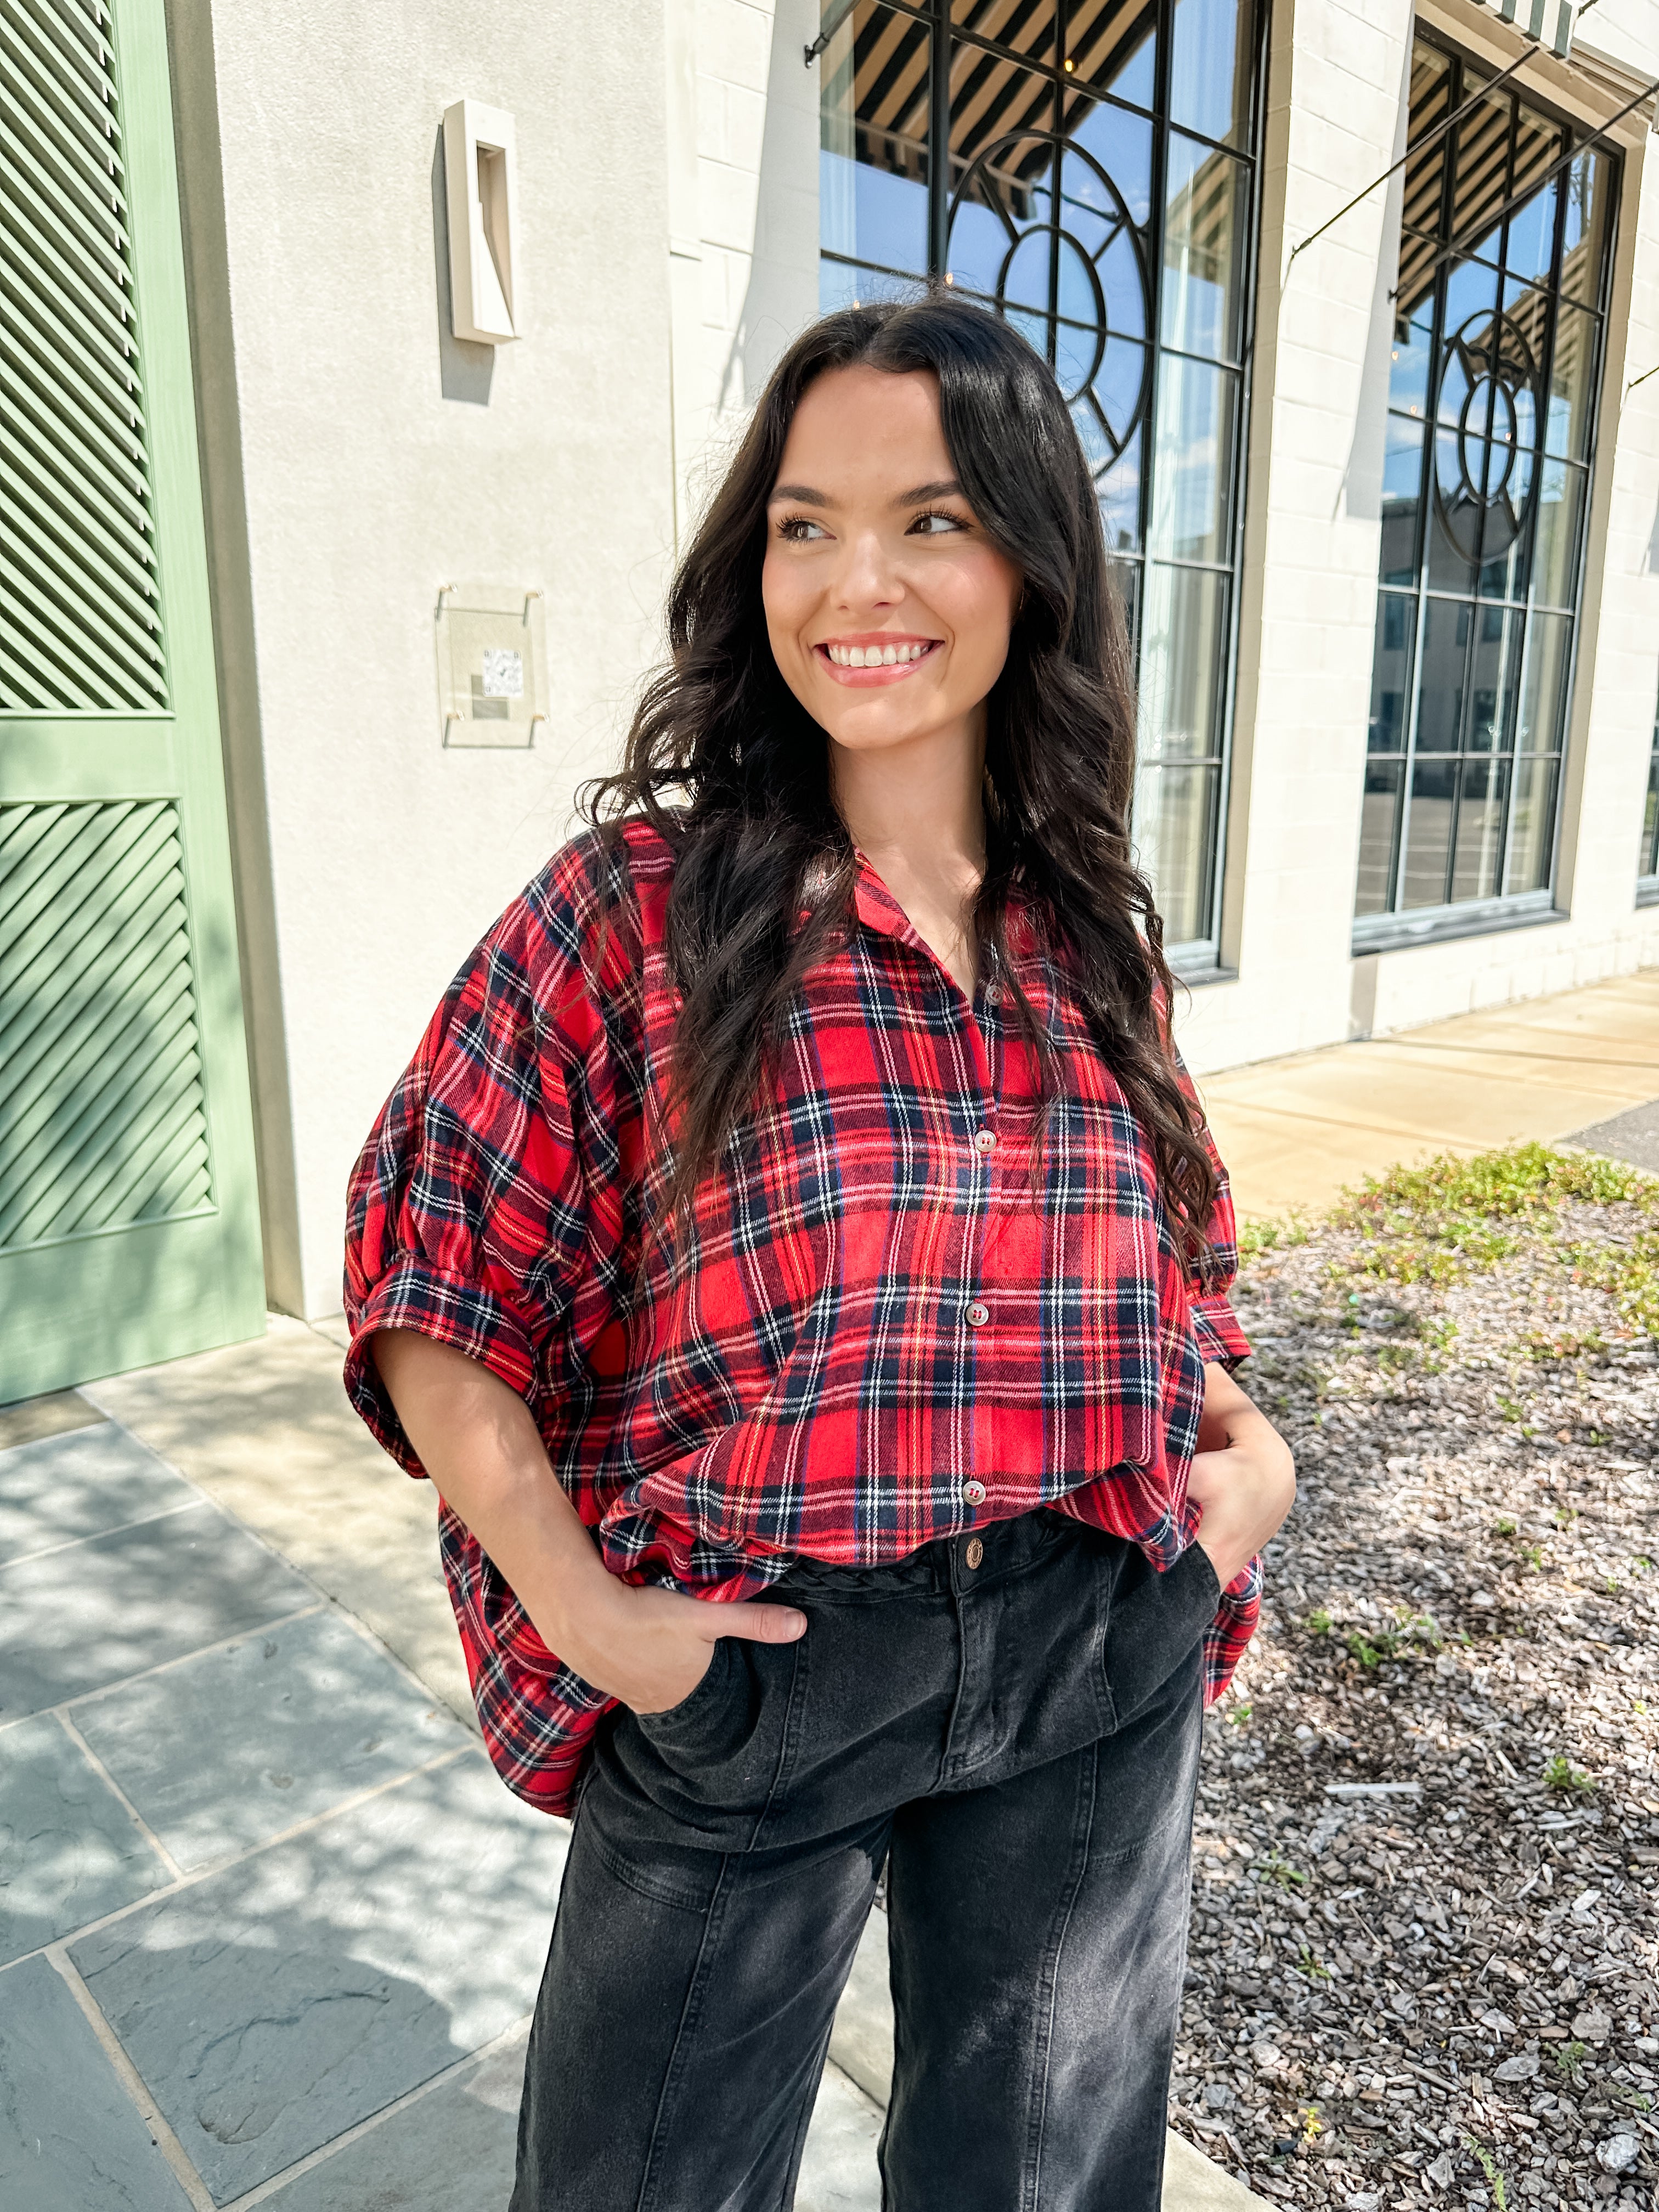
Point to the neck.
(918, 806)
(915, 811)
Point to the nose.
(867, 577)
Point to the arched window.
(1098, 188)
(1503, 258)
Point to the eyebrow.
(947, 488)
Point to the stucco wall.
(358, 459)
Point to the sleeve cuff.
(1220, 1336)
(448, 1310)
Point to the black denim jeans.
(1011, 1723)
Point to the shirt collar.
(878, 909)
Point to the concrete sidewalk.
(1294, 1132)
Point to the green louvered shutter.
(128, 1220)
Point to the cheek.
(783, 602)
(977, 599)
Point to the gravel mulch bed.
(1447, 1992)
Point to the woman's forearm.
(478, 1441)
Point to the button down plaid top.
(888, 1320)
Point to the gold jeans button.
(975, 1552)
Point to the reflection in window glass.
(1044, 213)
(1391, 665)
(1544, 693)
(1191, 502)
(1402, 488)
(1483, 512)
(1647, 865)
(1209, 71)
(1560, 496)
(1571, 374)
(1379, 817)
(1589, 197)
(1206, 198)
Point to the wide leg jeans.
(1009, 1722)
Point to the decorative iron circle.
(1486, 459)
(1035, 163)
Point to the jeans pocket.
(700, 1702)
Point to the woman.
(797, 1193)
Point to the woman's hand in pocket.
(1242, 1480)
(651, 1648)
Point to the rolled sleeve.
(450, 1311)
(467, 1218)
(1220, 1337)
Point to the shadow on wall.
(1362, 479)
(463, 369)
(781, 296)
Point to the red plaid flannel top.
(876, 1332)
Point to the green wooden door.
(129, 1221)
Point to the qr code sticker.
(503, 673)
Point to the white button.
(994, 995)
(974, 1492)
(978, 1315)
(985, 1140)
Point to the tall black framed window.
(1506, 246)
(1647, 859)
(1088, 168)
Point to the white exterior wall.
(372, 459)
(744, 187)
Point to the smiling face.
(888, 608)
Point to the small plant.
(1240, 1716)
(1569, 2057)
(1534, 1556)
(1637, 2099)
(1367, 1655)
(1319, 1621)
(1308, 1964)
(1565, 1516)
(1493, 2170)
(1503, 1527)
(1277, 1869)
(1562, 1774)
(1255, 1237)
(1511, 1409)
(1312, 2127)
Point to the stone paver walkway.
(270, 1927)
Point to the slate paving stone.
(838, 2169)
(69, 1849)
(229, 1748)
(83, 1617)
(66, 1487)
(70, 2139)
(452, 2147)
(273, 2005)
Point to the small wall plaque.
(492, 665)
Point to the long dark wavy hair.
(733, 772)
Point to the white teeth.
(874, 656)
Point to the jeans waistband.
(1006, 1547)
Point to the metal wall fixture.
(481, 186)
